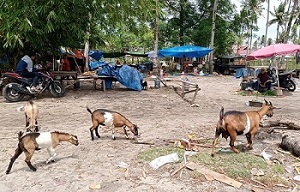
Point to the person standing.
(25, 69)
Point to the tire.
(12, 95)
(291, 86)
(57, 89)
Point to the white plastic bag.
(159, 161)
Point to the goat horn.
(266, 101)
(276, 107)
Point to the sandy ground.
(160, 114)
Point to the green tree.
(279, 19)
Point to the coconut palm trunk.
(213, 36)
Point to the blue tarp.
(241, 72)
(126, 75)
(96, 54)
(96, 64)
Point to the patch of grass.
(236, 166)
(269, 93)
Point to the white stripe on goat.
(44, 140)
(109, 119)
(248, 125)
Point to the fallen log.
(281, 124)
(290, 144)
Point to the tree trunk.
(213, 29)
(267, 23)
(289, 26)
(155, 59)
(291, 144)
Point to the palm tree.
(292, 15)
(279, 18)
(252, 10)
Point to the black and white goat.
(30, 142)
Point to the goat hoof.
(33, 169)
(7, 172)
(113, 137)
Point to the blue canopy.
(188, 51)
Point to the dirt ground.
(161, 114)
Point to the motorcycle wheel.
(56, 89)
(12, 95)
(291, 86)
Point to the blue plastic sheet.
(126, 75)
(130, 77)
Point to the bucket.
(279, 92)
(157, 83)
(186, 86)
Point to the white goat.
(29, 142)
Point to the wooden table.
(77, 78)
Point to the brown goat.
(234, 123)
(30, 142)
(31, 115)
(110, 119)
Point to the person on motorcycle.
(25, 69)
(263, 81)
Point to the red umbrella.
(273, 50)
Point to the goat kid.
(110, 119)
(31, 115)
(29, 142)
(234, 123)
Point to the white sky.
(263, 19)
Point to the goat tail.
(89, 110)
(20, 134)
(31, 102)
(222, 113)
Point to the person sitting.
(66, 65)
(25, 69)
(263, 81)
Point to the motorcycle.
(286, 79)
(18, 87)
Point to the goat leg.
(249, 137)
(125, 132)
(231, 143)
(29, 155)
(217, 135)
(92, 134)
(18, 152)
(97, 132)
(52, 154)
(113, 133)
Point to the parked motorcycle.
(286, 79)
(17, 86)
